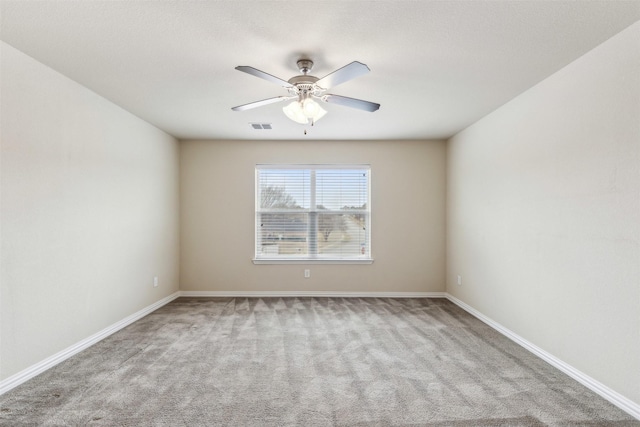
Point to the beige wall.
(89, 213)
(543, 217)
(217, 216)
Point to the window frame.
(312, 211)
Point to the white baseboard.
(612, 396)
(24, 375)
(326, 294)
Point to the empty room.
(327, 213)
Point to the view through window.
(308, 212)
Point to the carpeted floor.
(307, 362)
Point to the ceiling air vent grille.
(261, 125)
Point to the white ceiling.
(436, 66)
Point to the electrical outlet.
(155, 281)
(307, 274)
(459, 279)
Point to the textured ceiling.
(436, 66)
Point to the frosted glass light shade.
(312, 109)
(294, 112)
(303, 111)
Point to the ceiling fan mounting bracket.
(305, 65)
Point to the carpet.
(306, 362)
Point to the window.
(313, 213)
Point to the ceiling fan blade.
(261, 103)
(263, 75)
(341, 75)
(350, 102)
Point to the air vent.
(261, 125)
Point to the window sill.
(312, 261)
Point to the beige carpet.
(306, 362)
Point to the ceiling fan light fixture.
(319, 114)
(295, 113)
(310, 108)
(305, 111)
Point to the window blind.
(306, 212)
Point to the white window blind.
(313, 212)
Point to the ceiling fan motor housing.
(305, 86)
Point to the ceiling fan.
(304, 89)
